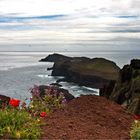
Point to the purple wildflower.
(64, 101)
(36, 91)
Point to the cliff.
(127, 88)
(95, 72)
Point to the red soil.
(88, 117)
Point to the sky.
(64, 23)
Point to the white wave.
(44, 76)
(91, 89)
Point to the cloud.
(58, 7)
(68, 21)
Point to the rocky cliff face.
(95, 72)
(127, 89)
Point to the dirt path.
(88, 117)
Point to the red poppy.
(136, 117)
(43, 114)
(14, 102)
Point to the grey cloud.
(135, 4)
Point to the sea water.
(20, 71)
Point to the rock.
(60, 68)
(135, 63)
(107, 89)
(50, 68)
(56, 84)
(59, 57)
(58, 90)
(4, 100)
(67, 95)
(127, 88)
(61, 80)
(55, 58)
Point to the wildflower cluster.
(21, 121)
(45, 99)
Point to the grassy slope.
(98, 66)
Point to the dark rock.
(56, 84)
(50, 68)
(67, 95)
(61, 80)
(65, 92)
(59, 57)
(135, 63)
(61, 68)
(4, 100)
(126, 74)
(55, 58)
(107, 89)
(127, 88)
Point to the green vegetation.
(96, 66)
(135, 132)
(16, 123)
(24, 122)
(47, 100)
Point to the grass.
(100, 67)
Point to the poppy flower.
(43, 114)
(136, 117)
(14, 102)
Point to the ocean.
(20, 71)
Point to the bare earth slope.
(88, 117)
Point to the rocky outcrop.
(57, 90)
(95, 72)
(4, 100)
(55, 58)
(55, 84)
(59, 57)
(127, 89)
